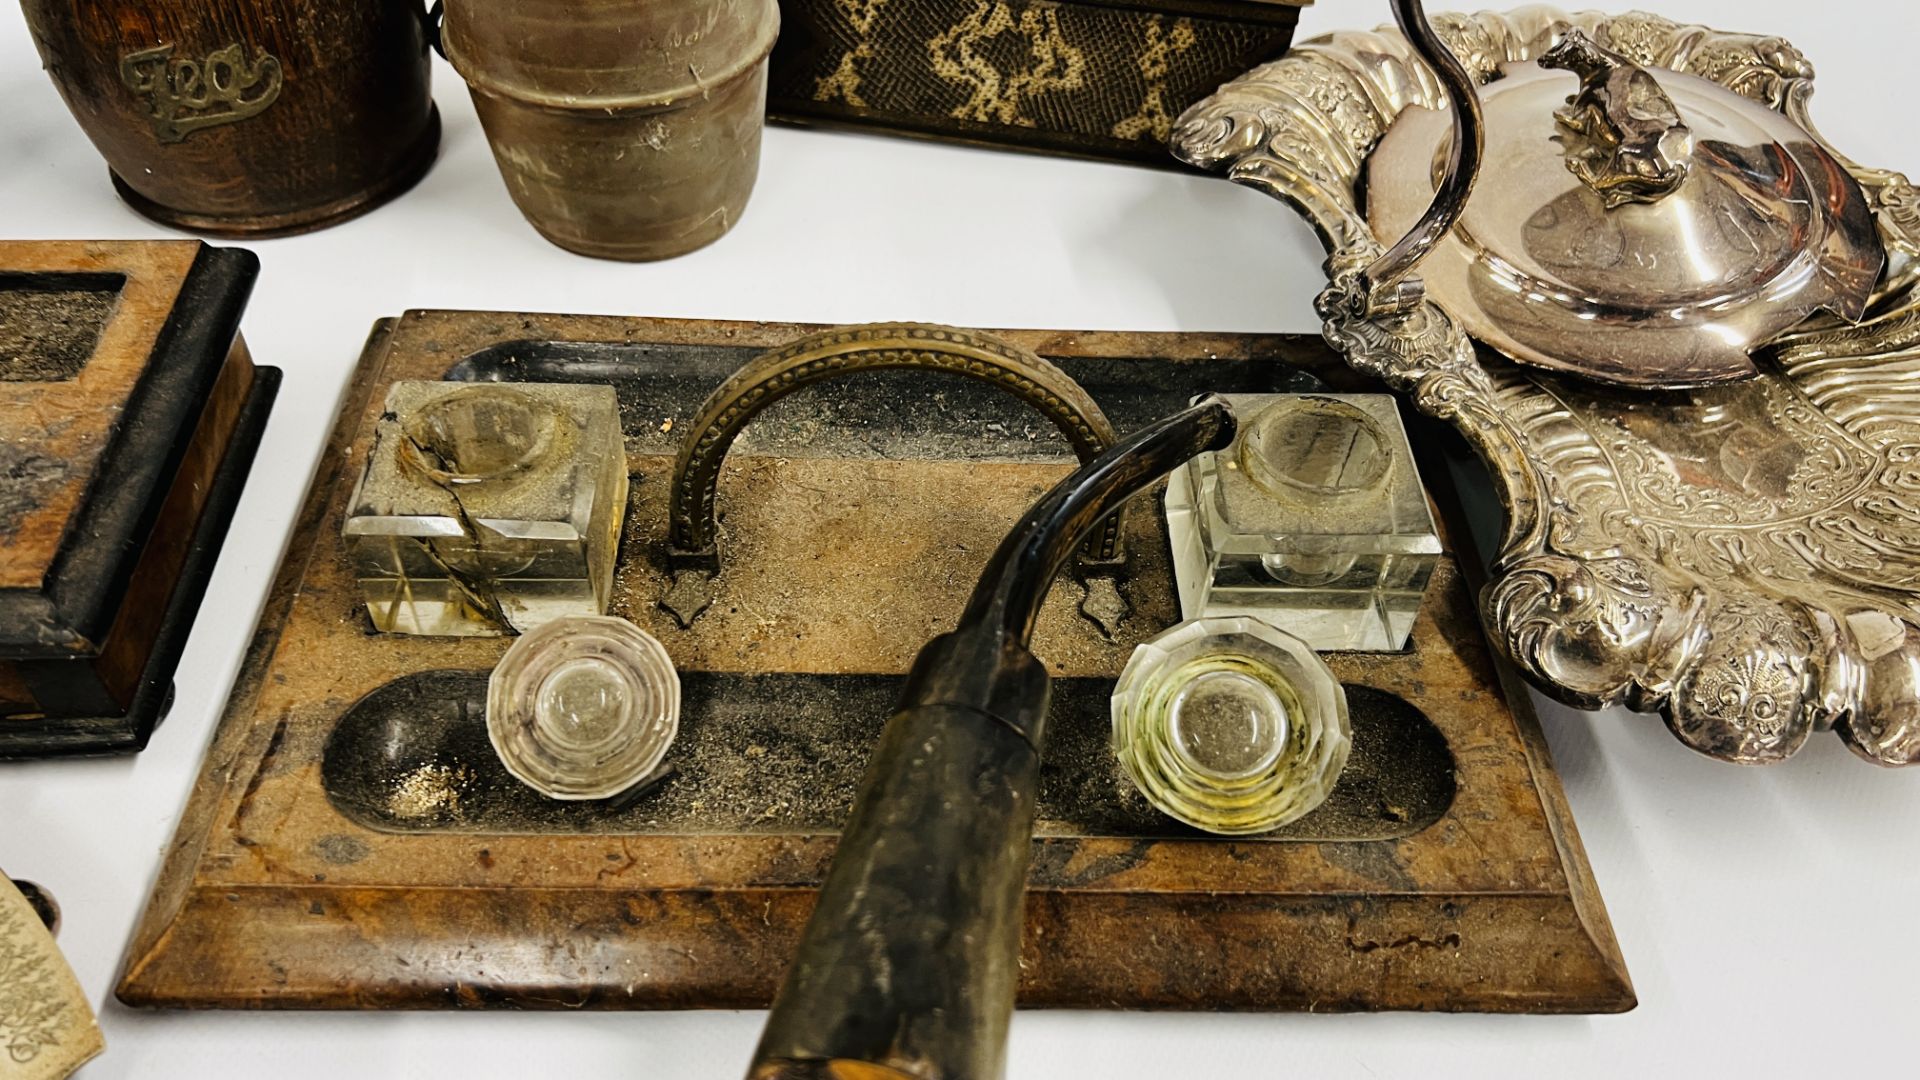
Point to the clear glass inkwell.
(489, 508)
(1313, 519)
(1230, 725)
(584, 707)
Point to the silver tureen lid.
(1638, 229)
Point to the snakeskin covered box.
(1093, 78)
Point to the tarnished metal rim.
(758, 50)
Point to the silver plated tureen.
(1682, 331)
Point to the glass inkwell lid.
(1642, 228)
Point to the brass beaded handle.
(881, 346)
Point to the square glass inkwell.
(130, 410)
(1314, 519)
(489, 508)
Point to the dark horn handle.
(432, 19)
(1388, 285)
(833, 353)
(909, 964)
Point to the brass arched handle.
(831, 354)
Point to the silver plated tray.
(1743, 559)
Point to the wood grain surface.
(272, 897)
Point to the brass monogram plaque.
(184, 95)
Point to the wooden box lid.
(108, 353)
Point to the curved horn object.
(908, 967)
(1387, 286)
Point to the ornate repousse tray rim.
(1739, 671)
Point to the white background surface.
(1770, 918)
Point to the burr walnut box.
(129, 413)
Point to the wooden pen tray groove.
(784, 753)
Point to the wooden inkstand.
(354, 842)
(132, 412)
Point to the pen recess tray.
(353, 843)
